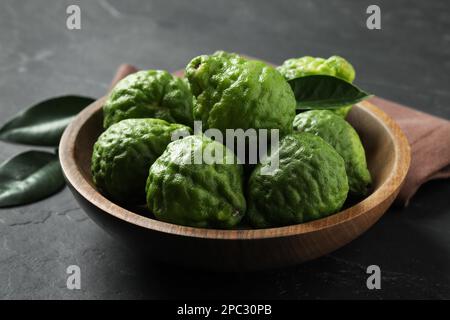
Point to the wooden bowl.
(388, 158)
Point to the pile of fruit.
(146, 153)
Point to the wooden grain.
(388, 158)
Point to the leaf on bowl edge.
(325, 92)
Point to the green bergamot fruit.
(233, 92)
(149, 94)
(333, 66)
(341, 136)
(309, 183)
(124, 152)
(183, 188)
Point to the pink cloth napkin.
(428, 136)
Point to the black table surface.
(406, 61)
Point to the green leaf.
(44, 123)
(325, 92)
(28, 177)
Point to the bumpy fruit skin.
(341, 136)
(232, 92)
(306, 66)
(123, 154)
(185, 192)
(309, 184)
(149, 94)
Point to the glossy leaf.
(325, 92)
(44, 123)
(28, 177)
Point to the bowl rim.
(391, 186)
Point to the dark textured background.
(407, 61)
